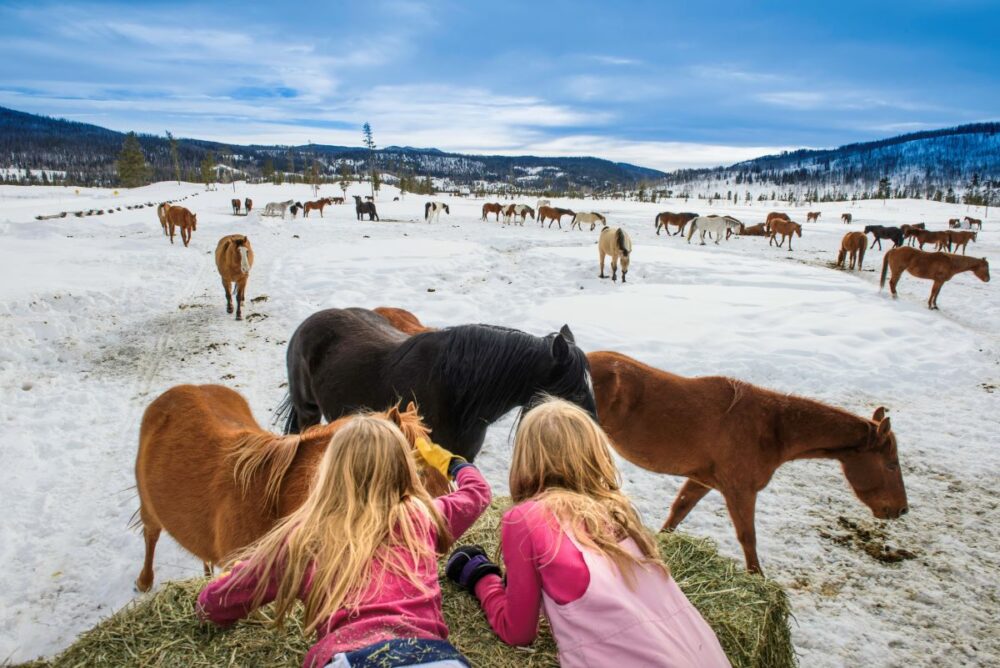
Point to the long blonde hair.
(367, 504)
(562, 460)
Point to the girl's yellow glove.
(435, 456)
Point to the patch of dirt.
(257, 317)
(870, 539)
(184, 307)
(228, 376)
(259, 298)
(989, 387)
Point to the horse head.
(982, 270)
(194, 222)
(569, 378)
(872, 469)
(869, 228)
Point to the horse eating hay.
(614, 241)
(233, 259)
(432, 211)
(938, 267)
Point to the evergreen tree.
(345, 178)
(131, 163)
(174, 156)
(291, 163)
(208, 170)
(369, 141)
(268, 169)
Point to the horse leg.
(932, 302)
(601, 275)
(240, 291)
(741, 511)
(171, 233)
(614, 267)
(229, 296)
(789, 241)
(690, 494)
(151, 534)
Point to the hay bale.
(749, 613)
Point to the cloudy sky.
(661, 84)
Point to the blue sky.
(662, 84)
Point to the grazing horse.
(717, 225)
(665, 219)
(893, 234)
(938, 267)
(909, 237)
(727, 435)
(365, 208)
(463, 378)
(973, 222)
(773, 216)
(236, 206)
(492, 207)
(591, 217)
(812, 216)
(179, 217)
(432, 211)
(614, 241)
(846, 217)
(554, 215)
(278, 208)
(316, 205)
(295, 208)
(233, 259)
(161, 213)
(216, 481)
(939, 238)
(247, 205)
(961, 238)
(758, 230)
(786, 229)
(854, 243)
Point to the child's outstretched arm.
(225, 602)
(462, 507)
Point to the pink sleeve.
(224, 604)
(463, 507)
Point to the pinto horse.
(553, 214)
(365, 208)
(813, 216)
(727, 435)
(615, 241)
(233, 259)
(854, 243)
(938, 267)
(432, 211)
(179, 217)
(787, 229)
(463, 378)
(665, 219)
(492, 207)
(893, 234)
(316, 205)
(236, 206)
(514, 211)
(216, 481)
(591, 217)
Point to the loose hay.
(750, 615)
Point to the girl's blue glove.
(467, 565)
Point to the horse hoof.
(229, 309)
(138, 588)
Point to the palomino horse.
(974, 222)
(315, 205)
(553, 214)
(161, 213)
(717, 225)
(846, 217)
(365, 208)
(216, 481)
(591, 217)
(938, 267)
(236, 206)
(939, 238)
(463, 378)
(614, 241)
(179, 217)
(432, 211)
(960, 239)
(893, 234)
(758, 230)
(278, 208)
(854, 243)
(812, 216)
(786, 229)
(233, 259)
(665, 219)
(731, 436)
(492, 207)
(247, 205)
(909, 237)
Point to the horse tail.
(691, 228)
(427, 210)
(286, 411)
(622, 246)
(656, 223)
(885, 269)
(252, 453)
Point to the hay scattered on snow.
(749, 613)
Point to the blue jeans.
(402, 653)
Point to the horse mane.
(252, 453)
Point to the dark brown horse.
(236, 206)
(846, 217)
(893, 234)
(492, 207)
(974, 222)
(247, 206)
(758, 230)
(363, 209)
(937, 267)
(679, 220)
(812, 216)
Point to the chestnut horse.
(940, 239)
(247, 205)
(961, 239)
(786, 229)
(233, 259)
(402, 320)
(854, 243)
(178, 216)
(846, 217)
(938, 267)
(758, 230)
(216, 481)
(909, 237)
(316, 205)
(727, 435)
(161, 213)
(236, 206)
(974, 222)
(812, 216)
(554, 215)
(492, 207)
(773, 216)
(665, 219)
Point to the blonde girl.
(574, 547)
(360, 553)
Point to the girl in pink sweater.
(574, 548)
(361, 554)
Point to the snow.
(99, 315)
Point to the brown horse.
(954, 222)
(854, 243)
(216, 481)
(731, 436)
(316, 205)
(402, 320)
(233, 259)
(846, 217)
(758, 230)
(178, 216)
(974, 222)
(679, 220)
(940, 239)
(236, 206)
(786, 229)
(161, 213)
(938, 267)
(908, 235)
(337, 200)
(553, 214)
(247, 205)
(492, 207)
(812, 216)
(960, 239)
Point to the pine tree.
(175, 156)
(132, 169)
(208, 170)
(369, 141)
(291, 164)
(268, 169)
(345, 178)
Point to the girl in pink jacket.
(361, 554)
(574, 548)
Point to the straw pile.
(749, 614)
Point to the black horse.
(362, 208)
(462, 378)
(893, 234)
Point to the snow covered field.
(99, 315)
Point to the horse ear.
(411, 407)
(394, 416)
(567, 334)
(560, 348)
(884, 427)
(879, 414)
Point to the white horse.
(513, 212)
(432, 211)
(591, 217)
(541, 203)
(717, 225)
(277, 208)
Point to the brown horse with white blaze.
(731, 436)
(209, 475)
(938, 267)
(233, 259)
